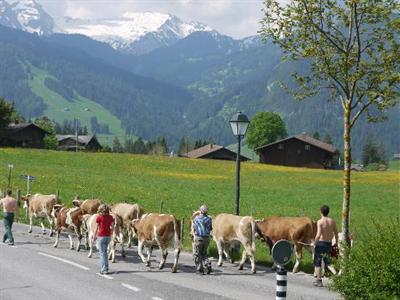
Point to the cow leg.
(129, 236)
(78, 233)
(121, 237)
(243, 260)
(299, 254)
(51, 222)
(30, 223)
(164, 253)
(225, 248)
(149, 252)
(111, 254)
(57, 238)
(176, 258)
(71, 243)
(220, 248)
(91, 240)
(42, 224)
(140, 252)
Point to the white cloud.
(237, 18)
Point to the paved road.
(33, 269)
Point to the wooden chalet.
(212, 151)
(25, 135)
(299, 151)
(85, 142)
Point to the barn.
(299, 151)
(212, 151)
(25, 135)
(84, 142)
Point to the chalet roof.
(83, 139)
(203, 151)
(307, 139)
(210, 148)
(14, 128)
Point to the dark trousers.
(8, 221)
(200, 254)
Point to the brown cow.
(40, 206)
(88, 206)
(161, 230)
(299, 230)
(69, 219)
(228, 229)
(128, 213)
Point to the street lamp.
(239, 123)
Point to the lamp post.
(239, 123)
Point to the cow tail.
(177, 231)
(253, 235)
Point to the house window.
(280, 146)
(307, 147)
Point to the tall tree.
(117, 147)
(265, 127)
(328, 139)
(316, 135)
(352, 47)
(373, 152)
(139, 147)
(50, 140)
(6, 112)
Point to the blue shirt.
(202, 225)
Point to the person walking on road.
(326, 230)
(104, 225)
(202, 226)
(10, 210)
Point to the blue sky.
(236, 18)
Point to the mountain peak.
(26, 15)
(133, 32)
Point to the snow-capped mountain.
(135, 33)
(26, 15)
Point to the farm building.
(212, 151)
(27, 135)
(85, 142)
(299, 151)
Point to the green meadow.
(181, 185)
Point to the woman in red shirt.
(104, 225)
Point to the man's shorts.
(322, 251)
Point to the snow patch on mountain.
(133, 32)
(26, 15)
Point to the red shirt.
(104, 222)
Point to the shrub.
(372, 271)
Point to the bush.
(372, 270)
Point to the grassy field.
(184, 184)
(60, 109)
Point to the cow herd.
(164, 230)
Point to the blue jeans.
(102, 244)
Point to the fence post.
(58, 196)
(161, 206)
(281, 283)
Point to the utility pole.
(76, 134)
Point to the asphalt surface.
(33, 269)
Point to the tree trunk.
(346, 174)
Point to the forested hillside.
(188, 89)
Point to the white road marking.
(65, 261)
(131, 287)
(105, 276)
(156, 298)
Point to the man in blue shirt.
(202, 226)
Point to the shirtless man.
(10, 209)
(326, 230)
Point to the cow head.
(56, 210)
(134, 224)
(77, 202)
(26, 200)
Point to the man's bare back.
(326, 229)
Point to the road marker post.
(281, 253)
